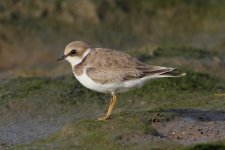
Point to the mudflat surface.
(193, 126)
(33, 118)
(188, 127)
(42, 106)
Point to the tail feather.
(172, 73)
(160, 72)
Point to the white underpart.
(112, 87)
(118, 87)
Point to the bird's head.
(75, 52)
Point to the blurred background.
(33, 33)
(39, 97)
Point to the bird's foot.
(103, 118)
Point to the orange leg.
(111, 105)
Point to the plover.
(110, 71)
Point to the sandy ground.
(188, 127)
(25, 131)
(193, 126)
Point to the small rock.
(217, 132)
(154, 120)
(5, 145)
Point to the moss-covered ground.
(42, 106)
(64, 105)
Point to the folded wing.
(117, 66)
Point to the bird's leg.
(111, 105)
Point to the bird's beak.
(61, 58)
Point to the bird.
(111, 71)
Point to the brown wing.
(114, 66)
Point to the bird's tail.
(172, 73)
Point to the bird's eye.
(73, 52)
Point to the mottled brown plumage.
(111, 66)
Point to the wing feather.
(117, 66)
